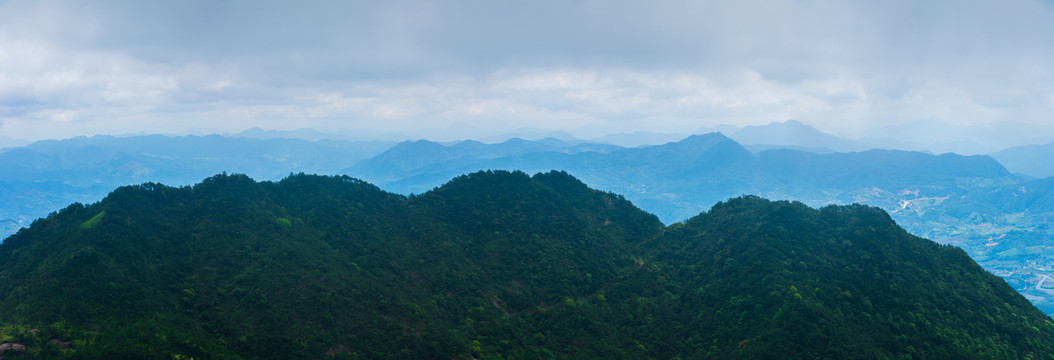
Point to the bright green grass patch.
(93, 221)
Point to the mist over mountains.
(526, 180)
(47, 175)
(1031, 160)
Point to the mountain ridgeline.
(45, 176)
(680, 179)
(999, 218)
(490, 265)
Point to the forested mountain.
(969, 201)
(950, 198)
(490, 265)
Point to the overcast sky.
(449, 70)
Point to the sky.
(467, 69)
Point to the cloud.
(588, 66)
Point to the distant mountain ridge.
(412, 156)
(882, 168)
(969, 201)
(1031, 160)
(190, 156)
(724, 166)
(47, 175)
(795, 134)
(490, 264)
(948, 197)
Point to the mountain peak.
(709, 135)
(695, 142)
(792, 133)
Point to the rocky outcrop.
(61, 344)
(10, 346)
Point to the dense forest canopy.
(492, 264)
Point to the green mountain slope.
(842, 282)
(972, 202)
(490, 265)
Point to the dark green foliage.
(490, 265)
(842, 282)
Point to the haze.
(940, 70)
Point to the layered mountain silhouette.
(951, 198)
(678, 179)
(969, 201)
(490, 265)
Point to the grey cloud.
(673, 64)
(424, 37)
